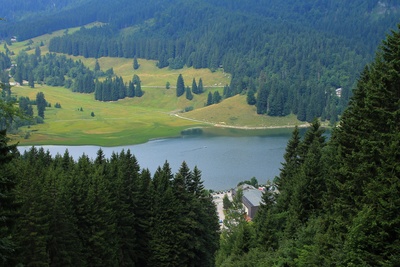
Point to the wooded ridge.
(290, 55)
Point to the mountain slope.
(291, 54)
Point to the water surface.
(223, 160)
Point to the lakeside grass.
(235, 112)
(127, 121)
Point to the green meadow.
(157, 114)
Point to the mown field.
(137, 120)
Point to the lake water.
(223, 160)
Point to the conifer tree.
(41, 104)
(7, 198)
(195, 90)
(189, 95)
(135, 63)
(216, 98)
(209, 99)
(200, 87)
(180, 86)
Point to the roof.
(254, 196)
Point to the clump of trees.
(181, 89)
(113, 89)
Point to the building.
(252, 198)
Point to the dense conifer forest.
(335, 203)
(288, 56)
(102, 212)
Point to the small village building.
(252, 198)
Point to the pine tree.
(135, 63)
(97, 66)
(200, 87)
(209, 99)
(31, 81)
(189, 95)
(41, 104)
(138, 90)
(131, 90)
(216, 98)
(180, 86)
(195, 90)
(7, 198)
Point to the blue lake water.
(223, 160)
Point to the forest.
(102, 212)
(334, 203)
(288, 56)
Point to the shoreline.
(205, 125)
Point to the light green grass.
(128, 121)
(236, 112)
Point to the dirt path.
(239, 127)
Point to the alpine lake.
(225, 156)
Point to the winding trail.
(304, 125)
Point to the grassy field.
(137, 120)
(127, 121)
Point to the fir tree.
(200, 87)
(135, 63)
(7, 198)
(41, 104)
(209, 99)
(189, 95)
(180, 86)
(195, 90)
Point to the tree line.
(291, 70)
(103, 212)
(294, 70)
(112, 89)
(335, 202)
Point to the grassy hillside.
(129, 121)
(126, 121)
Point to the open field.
(127, 121)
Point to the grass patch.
(128, 121)
(236, 112)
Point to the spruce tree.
(216, 98)
(200, 87)
(180, 86)
(195, 90)
(189, 95)
(209, 99)
(41, 104)
(7, 198)
(135, 63)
